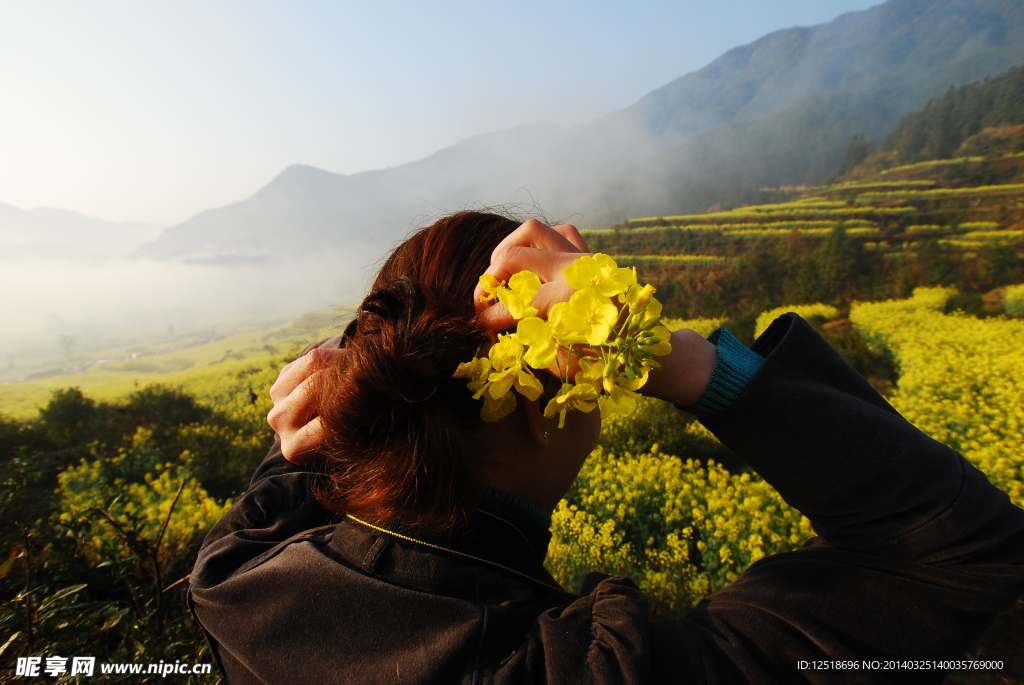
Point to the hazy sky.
(153, 111)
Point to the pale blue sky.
(153, 111)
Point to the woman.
(419, 557)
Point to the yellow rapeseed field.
(961, 378)
(680, 529)
(683, 529)
(764, 320)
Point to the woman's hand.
(546, 250)
(293, 416)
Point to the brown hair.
(400, 431)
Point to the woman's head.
(401, 433)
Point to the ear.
(539, 428)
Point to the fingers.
(300, 447)
(534, 233)
(293, 415)
(536, 247)
(569, 232)
(498, 318)
(545, 263)
(302, 368)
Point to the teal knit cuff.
(736, 366)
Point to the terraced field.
(943, 222)
(896, 209)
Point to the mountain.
(779, 111)
(46, 233)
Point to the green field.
(186, 361)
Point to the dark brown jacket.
(916, 554)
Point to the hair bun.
(394, 398)
(402, 436)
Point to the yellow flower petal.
(622, 402)
(543, 348)
(587, 317)
(490, 286)
(591, 373)
(501, 382)
(518, 307)
(601, 273)
(495, 409)
(528, 385)
(506, 352)
(525, 284)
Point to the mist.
(117, 301)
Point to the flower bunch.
(614, 345)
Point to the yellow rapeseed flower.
(591, 372)
(522, 288)
(586, 317)
(543, 348)
(637, 298)
(495, 409)
(601, 274)
(581, 397)
(490, 287)
(476, 371)
(621, 402)
(664, 346)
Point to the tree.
(68, 419)
(856, 152)
(67, 342)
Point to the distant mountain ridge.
(778, 111)
(45, 232)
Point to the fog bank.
(103, 303)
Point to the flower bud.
(650, 323)
(645, 296)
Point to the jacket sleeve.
(916, 551)
(278, 505)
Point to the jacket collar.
(489, 540)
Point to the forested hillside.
(994, 106)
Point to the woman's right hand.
(293, 415)
(546, 251)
